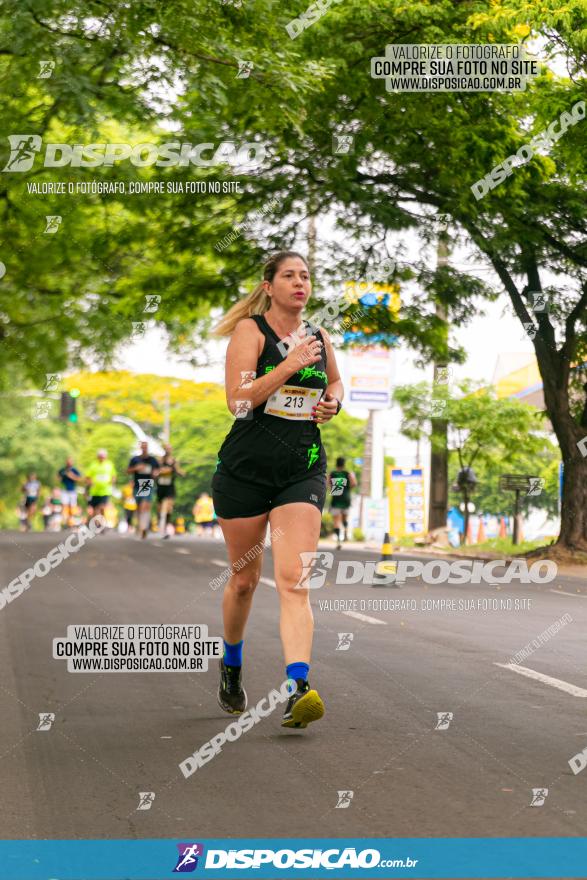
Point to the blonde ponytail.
(257, 302)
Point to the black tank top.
(340, 487)
(267, 449)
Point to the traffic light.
(68, 412)
(466, 479)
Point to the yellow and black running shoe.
(303, 707)
(232, 697)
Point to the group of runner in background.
(152, 479)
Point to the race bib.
(293, 402)
(165, 481)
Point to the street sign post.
(516, 483)
(370, 366)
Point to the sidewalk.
(579, 571)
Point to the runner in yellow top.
(203, 513)
(129, 504)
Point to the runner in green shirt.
(101, 476)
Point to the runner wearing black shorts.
(272, 469)
(168, 470)
(144, 468)
(31, 489)
(341, 483)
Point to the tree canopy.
(492, 436)
(135, 73)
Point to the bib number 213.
(293, 401)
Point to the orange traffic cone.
(502, 529)
(469, 535)
(481, 536)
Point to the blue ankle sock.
(297, 670)
(233, 654)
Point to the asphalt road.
(115, 735)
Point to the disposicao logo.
(24, 148)
(187, 860)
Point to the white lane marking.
(181, 550)
(220, 562)
(268, 581)
(364, 617)
(564, 593)
(545, 679)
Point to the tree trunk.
(438, 502)
(573, 532)
(365, 490)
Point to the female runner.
(272, 468)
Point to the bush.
(327, 524)
(405, 541)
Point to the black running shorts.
(235, 498)
(165, 492)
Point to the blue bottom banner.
(417, 858)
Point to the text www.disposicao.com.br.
(136, 664)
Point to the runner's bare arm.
(335, 387)
(242, 354)
(326, 408)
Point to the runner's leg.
(337, 523)
(144, 515)
(168, 511)
(300, 524)
(164, 509)
(241, 535)
(345, 526)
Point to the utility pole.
(438, 503)
(367, 465)
(377, 453)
